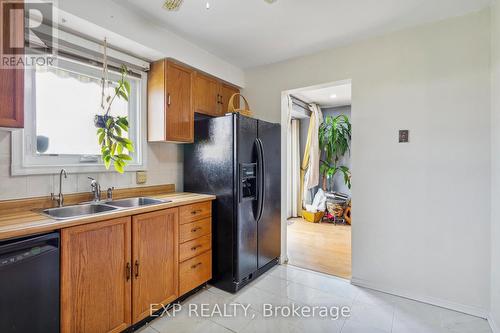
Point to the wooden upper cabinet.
(12, 98)
(155, 260)
(206, 95)
(175, 93)
(170, 105)
(211, 96)
(12, 80)
(226, 91)
(96, 277)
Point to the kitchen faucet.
(60, 197)
(95, 189)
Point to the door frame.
(286, 170)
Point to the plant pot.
(100, 121)
(42, 144)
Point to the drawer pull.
(195, 229)
(196, 265)
(196, 211)
(194, 248)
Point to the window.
(61, 102)
(66, 98)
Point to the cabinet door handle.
(128, 270)
(194, 248)
(195, 229)
(168, 99)
(196, 265)
(194, 212)
(136, 269)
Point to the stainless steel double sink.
(94, 208)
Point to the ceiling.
(249, 33)
(328, 96)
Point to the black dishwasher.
(29, 284)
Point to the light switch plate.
(141, 177)
(404, 136)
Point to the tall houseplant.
(111, 130)
(335, 139)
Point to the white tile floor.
(371, 311)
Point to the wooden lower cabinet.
(189, 231)
(155, 260)
(112, 271)
(195, 246)
(195, 212)
(194, 272)
(95, 279)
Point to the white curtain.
(295, 169)
(311, 177)
(286, 107)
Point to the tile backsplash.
(164, 167)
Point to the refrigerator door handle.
(261, 179)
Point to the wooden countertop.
(24, 223)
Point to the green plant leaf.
(118, 166)
(123, 125)
(121, 94)
(126, 84)
(107, 161)
(101, 138)
(118, 130)
(124, 121)
(124, 157)
(130, 147)
(119, 148)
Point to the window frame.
(26, 161)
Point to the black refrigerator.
(238, 159)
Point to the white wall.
(164, 167)
(421, 210)
(495, 166)
(110, 15)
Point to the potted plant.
(111, 130)
(335, 138)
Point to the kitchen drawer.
(195, 272)
(195, 247)
(190, 231)
(195, 212)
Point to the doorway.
(318, 226)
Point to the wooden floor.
(322, 247)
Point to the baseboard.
(494, 327)
(470, 310)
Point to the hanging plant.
(112, 131)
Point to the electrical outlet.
(404, 136)
(141, 177)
